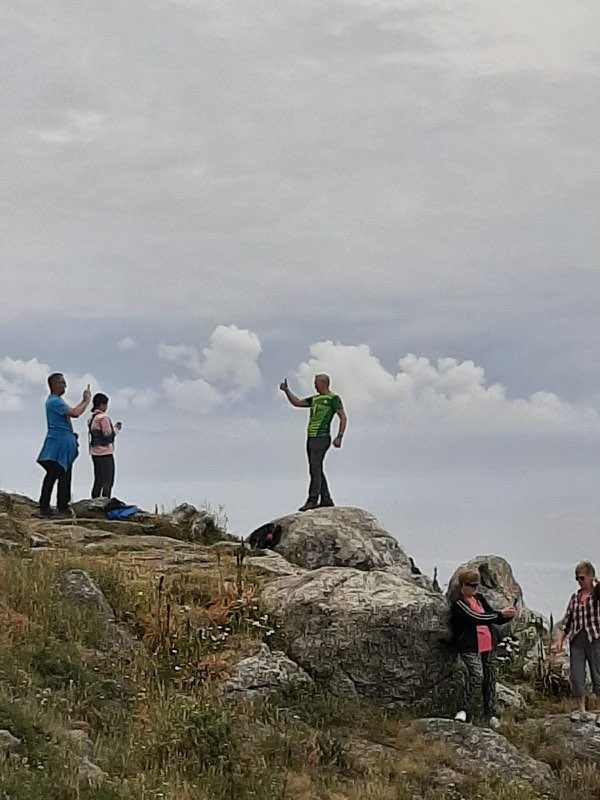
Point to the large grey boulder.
(338, 537)
(498, 583)
(372, 634)
(482, 751)
(264, 672)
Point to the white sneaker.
(494, 723)
(460, 716)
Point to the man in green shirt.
(323, 407)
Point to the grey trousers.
(318, 490)
(481, 681)
(581, 650)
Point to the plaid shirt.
(582, 617)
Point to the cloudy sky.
(202, 196)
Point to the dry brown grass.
(160, 727)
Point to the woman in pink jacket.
(102, 438)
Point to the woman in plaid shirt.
(581, 625)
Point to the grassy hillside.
(153, 707)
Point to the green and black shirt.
(323, 408)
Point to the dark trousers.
(318, 490)
(104, 475)
(580, 651)
(54, 473)
(481, 683)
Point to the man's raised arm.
(295, 401)
(78, 410)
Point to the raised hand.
(284, 385)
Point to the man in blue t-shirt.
(60, 448)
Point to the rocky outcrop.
(510, 698)
(8, 743)
(498, 584)
(483, 751)
(372, 634)
(273, 563)
(264, 672)
(338, 537)
(77, 585)
(579, 740)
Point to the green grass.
(160, 727)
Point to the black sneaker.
(64, 513)
(326, 504)
(45, 513)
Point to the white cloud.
(184, 354)
(18, 377)
(194, 395)
(127, 344)
(78, 126)
(447, 396)
(228, 365)
(230, 361)
(127, 398)
(30, 372)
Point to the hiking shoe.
(494, 723)
(460, 716)
(326, 504)
(308, 506)
(46, 513)
(64, 513)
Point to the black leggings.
(104, 475)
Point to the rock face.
(79, 586)
(375, 634)
(8, 742)
(273, 563)
(482, 750)
(498, 584)
(581, 740)
(264, 672)
(510, 698)
(338, 537)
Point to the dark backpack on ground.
(266, 537)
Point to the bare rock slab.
(482, 750)
(338, 537)
(372, 634)
(581, 740)
(263, 673)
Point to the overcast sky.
(200, 197)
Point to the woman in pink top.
(472, 618)
(102, 437)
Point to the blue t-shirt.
(60, 444)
